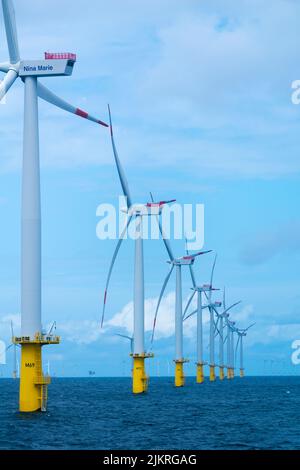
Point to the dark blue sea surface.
(249, 413)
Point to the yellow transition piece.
(212, 373)
(179, 374)
(200, 374)
(33, 385)
(140, 380)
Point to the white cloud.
(273, 334)
(202, 84)
(80, 331)
(165, 319)
(5, 325)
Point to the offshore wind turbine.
(129, 338)
(135, 212)
(33, 384)
(230, 348)
(178, 263)
(221, 318)
(219, 330)
(241, 335)
(14, 346)
(199, 290)
(212, 326)
(200, 307)
(200, 361)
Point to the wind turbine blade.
(201, 253)
(212, 277)
(192, 275)
(253, 324)
(190, 315)
(213, 270)
(47, 95)
(216, 327)
(8, 81)
(5, 67)
(188, 304)
(236, 348)
(159, 301)
(121, 173)
(217, 313)
(194, 313)
(165, 240)
(123, 336)
(231, 306)
(8, 347)
(12, 329)
(167, 202)
(111, 267)
(11, 30)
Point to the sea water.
(101, 413)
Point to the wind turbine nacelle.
(46, 68)
(142, 209)
(186, 261)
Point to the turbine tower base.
(200, 373)
(221, 373)
(242, 373)
(179, 372)
(212, 373)
(33, 384)
(140, 380)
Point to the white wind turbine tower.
(230, 348)
(241, 334)
(200, 360)
(135, 212)
(33, 385)
(221, 317)
(14, 346)
(212, 325)
(129, 338)
(178, 263)
(199, 290)
(219, 330)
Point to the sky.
(201, 100)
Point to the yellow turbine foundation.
(212, 374)
(242, 373)
(140, 380)
(179, 373)
(221, 373)
(33, 384)
(200, 373)
(31, 394)
(228, 373)
(232, 373)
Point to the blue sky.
(201, 98)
